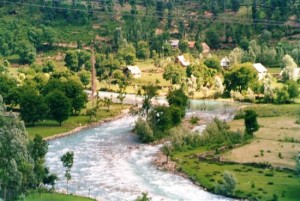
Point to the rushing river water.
(110, 164)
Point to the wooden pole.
(93, 73)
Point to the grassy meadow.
(55, 197)
(275, 144)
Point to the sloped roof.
(225, 59)
(260, 68)
(134, 69)
(192, 44)
(205, 47)
(183, 61)
(174, 42)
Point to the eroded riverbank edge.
(122, 114)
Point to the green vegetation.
(49, 127)
(55, 196)
(253, 182)
(157, 123)
(23, 167)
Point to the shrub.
(144, 131)
(194, 120)
(228, 186)
(251, 122)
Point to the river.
(110, 164)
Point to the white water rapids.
(110, 164)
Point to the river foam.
(110, 164)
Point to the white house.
(135, 71)
(225, 62)
(174, 43)
(262, 71)
(182, 61)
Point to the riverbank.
(88, 126)
(276, 143)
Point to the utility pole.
(93, 73)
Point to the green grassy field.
(49, 127)
(276, 143)
(252, 182)
(273, 110)
(55, 197)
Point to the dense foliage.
(22, 163)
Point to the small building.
(205, 49)
(192, 44)
(262, 71)
(225, 62)
(174, 43)
(134, 71)
(180, 59)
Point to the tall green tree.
(16, 165)
(67, 160)
(32, 106)
(59, 106)
(251, 123)
(174, 73)
(240, 78)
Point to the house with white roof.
(261, 70)
(180, 59)
(134, 70)
(225, 62)
(174, 43)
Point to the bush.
(144, 131)
(194, 120)
(228, 186)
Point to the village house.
(261, 70)
(225, 62)
(180, 59)
(174, 43)
(134, 71)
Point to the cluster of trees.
(40, 97)
(160, 119)
(23, 39)
(260, 52)
(22, 164)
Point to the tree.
(16, 165)
(235, 5)
(32, 106)
(213, 63)
(228, 186)
(293, 89)
(150, 91)
(236, 55)
(290, 66)
(175, 73)
(7, 84)
(298, 164)
(59, 106)
(67, 160)
(250, 120)
(212, 38)
(74, 91)
(179, 99)
(183, 46)
(240, 78)
(27, 52)
(85, 77)
(71, 60)
(144, 131)
(142, 51)
(128, 53)
(38, 149)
